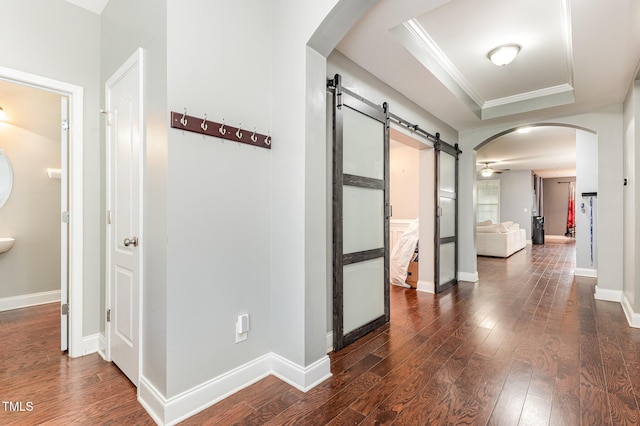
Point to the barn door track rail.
(182, 121)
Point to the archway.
(534, 158)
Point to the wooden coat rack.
(203, 126)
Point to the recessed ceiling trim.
(568, 39)
(432, 48)
(528, 104)
(547, 91)
(406, 36)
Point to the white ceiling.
(576, 56)
(460, 47)
(548, 151)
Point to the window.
(488, 201)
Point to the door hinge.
(65, 125)
(108, 217)
(389, 210)
(65, 217)
(64, 309)
(108, 315)
(107, 115)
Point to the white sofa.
(499, 240)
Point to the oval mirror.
(6, 178)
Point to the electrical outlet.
(242, 328)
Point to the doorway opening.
(70, 214)
(547, 178)
(412, 188)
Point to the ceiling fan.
(488, 171)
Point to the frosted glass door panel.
(363, 219)
(448, 218)
(363, 145)
(447, 262)
(447, 172)
(363, 299)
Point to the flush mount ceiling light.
(525, 129)
(503, 55)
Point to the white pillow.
(511, 226)
(491, 229)
(485, 223)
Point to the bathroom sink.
(6, 244)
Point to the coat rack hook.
(204, 125)
(238, 132)
(254, 138)
(183, 120)
(222, 130)
(267, 140)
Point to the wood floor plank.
(535, 411)
(514, 393)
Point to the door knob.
(131, 242)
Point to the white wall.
(404, 181)
(516, 197)
(219, 192)
(126, 26)
(55, 39)
(607, 123)
(31, 215)
(586, 208)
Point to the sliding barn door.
(360, 216)
(446, 197)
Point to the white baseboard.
(584, 272)
(471, 277)
(102, 346)
(175, 409)
(302, 378)
(152, 401)
(329, 341)
(608, 295)
(426, 286)
(91, 344)
(633, 318)
(26, 300)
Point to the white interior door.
(64, 225)
(125, 139)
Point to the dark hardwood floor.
(39, 384)
(527, 344)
